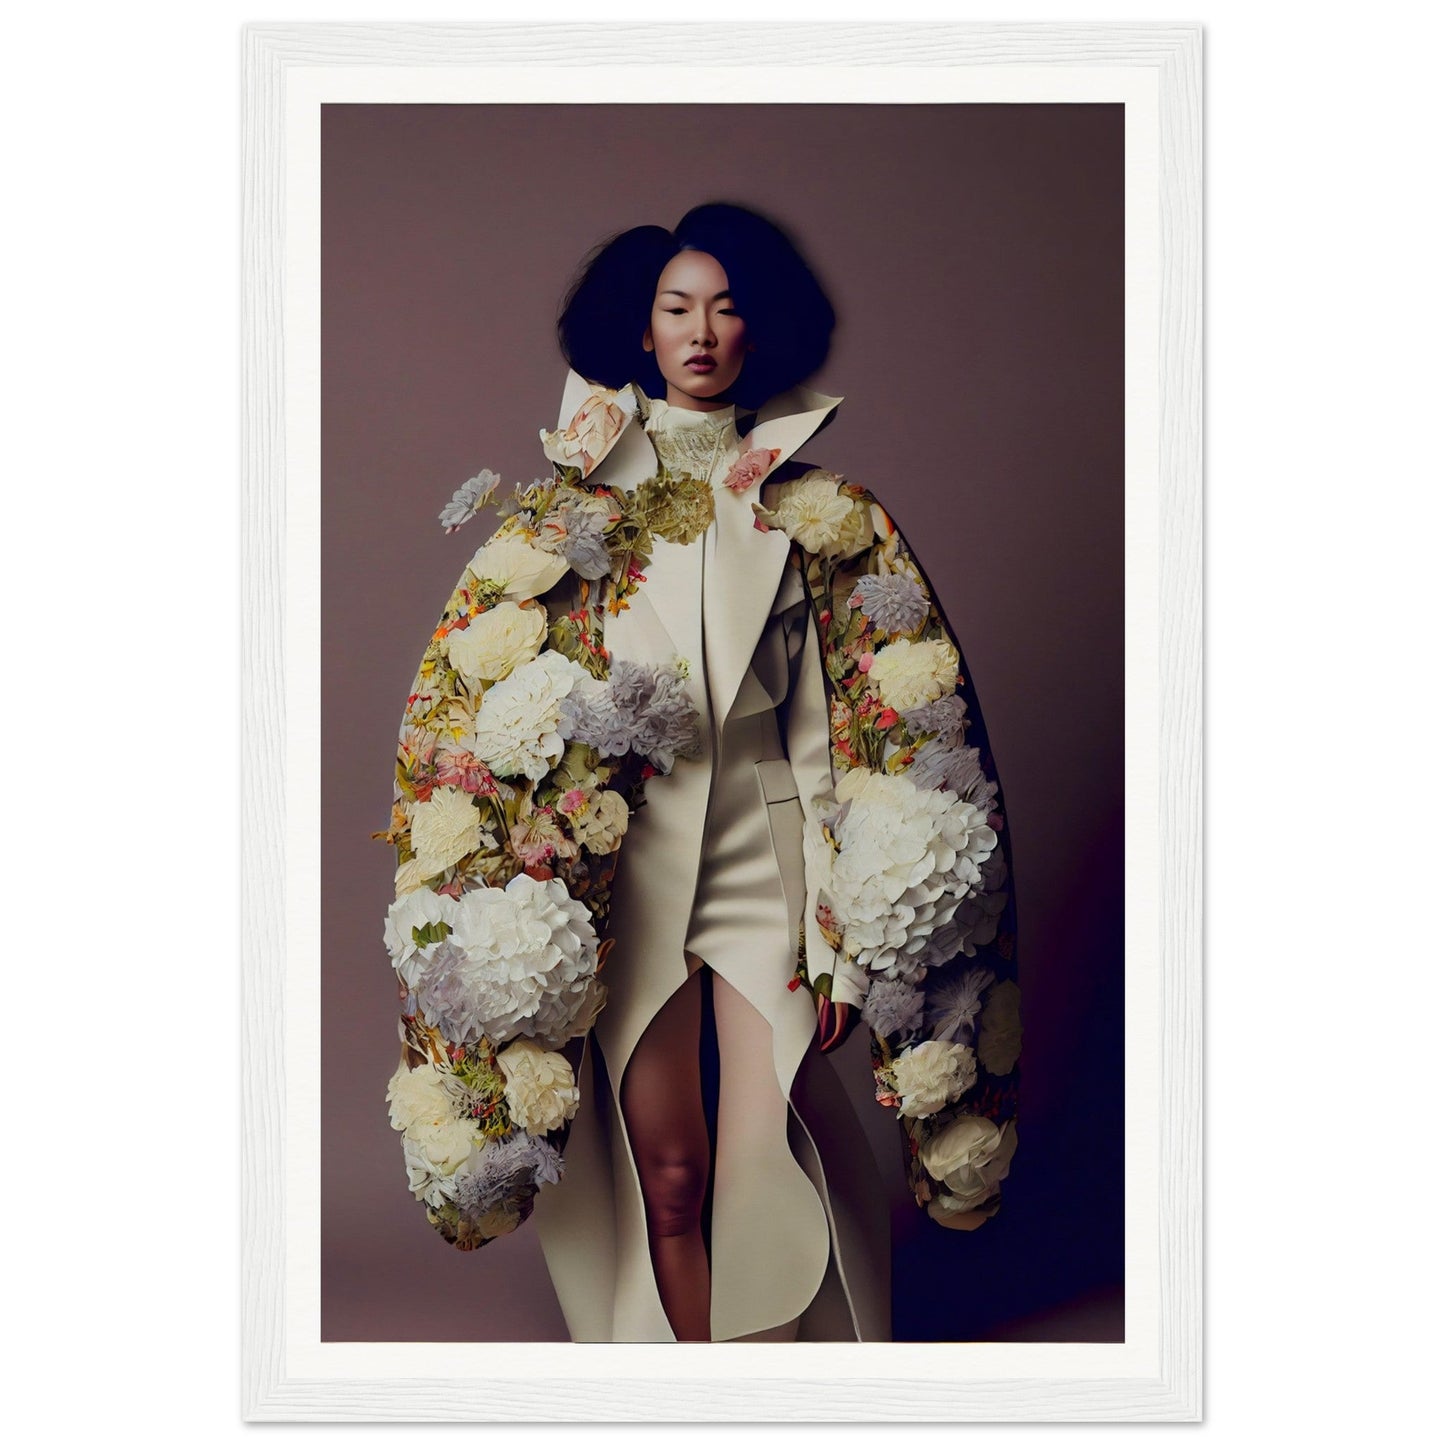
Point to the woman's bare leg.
(663, 1108)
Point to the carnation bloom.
(908, 674)
(419, 1098)
(496, 641)
(517, 722)
(469, 498)
(811, 511)
(541, 1091)
(503, 1176)
(905, 859)
(444, 829)
(893, 602)
(519, 961)
(931, 1075)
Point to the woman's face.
(696, 332)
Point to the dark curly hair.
(609, 303)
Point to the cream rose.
(932, 1075)
(419, 1099)
(541, 1092)
(600, 826)
(521, 569)
(1000, 1037)
(496, 641)
(444, 829)
(908, 674)
(970, 1157)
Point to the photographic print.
(702, 514)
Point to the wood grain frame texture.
(1174, 53)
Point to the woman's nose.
(702, 335)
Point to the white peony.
(522, 960)
(421, 908)
(600, 826)
(906, 857)
(1000, 1036)
(419, 1099)
(969, 1157)
(444, 829)
(516, 724)
(495, 642)
(521, 569)
(541, 1092)
(816, 516)
(433, 1154)
(932, 1075)
(908, 674)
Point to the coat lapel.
(744, 565)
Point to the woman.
(744, 600)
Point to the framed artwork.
(1009, 221)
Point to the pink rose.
(749, 468)
(865, 662)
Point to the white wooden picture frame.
(288, 1372)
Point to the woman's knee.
(673, 1189)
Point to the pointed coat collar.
(595, 431)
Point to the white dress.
(799, 1225)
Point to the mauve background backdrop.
(975, 254)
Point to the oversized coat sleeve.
(880, 685)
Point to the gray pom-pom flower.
(506, 1172)
(470, 498)
(893, 1008)
(944, 716)
(954, 1004)
(894, 602)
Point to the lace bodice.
(694, 442)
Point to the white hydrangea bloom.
(541, 1092)
(516, 724)
(522, 961)
(906, 858)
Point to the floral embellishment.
(750, 468)
(541, 1093)
(1000, 1034)
(518, 568)
(444, 829)
(894, 601)
(584, 441)
(971, 1156)
(517, 722)
(469, 499)
(909, 674)
(497, 641)
(931, 1075)
(819, 516)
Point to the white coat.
(799, 1222)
